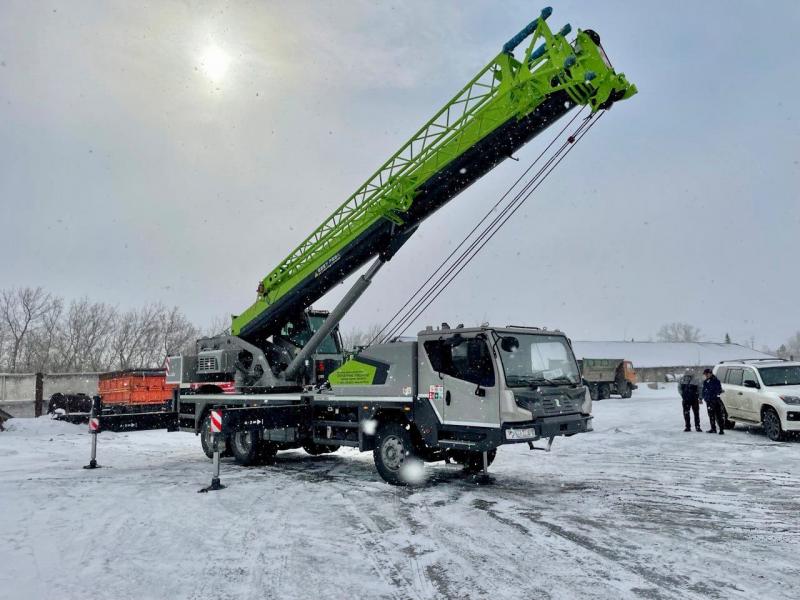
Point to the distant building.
(657, 361)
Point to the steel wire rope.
(474, 229)
(486, 237)
(410, 313)
(465, 253)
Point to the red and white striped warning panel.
(216, 421)
(94, 424)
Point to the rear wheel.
(772, 425)
(394, 449)
(604, 391)
(593, 393)
(249, 449)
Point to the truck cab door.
(464, 386)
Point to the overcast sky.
(177, 151)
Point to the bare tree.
(37, 333)
(85, 335)
(678, 332)
(22, 311)
(143, 338)
(177, 333)
(359, 337)
(4, 336)
(135, 336)
(220, 325)
(791, 349)
(38, 350)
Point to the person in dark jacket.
(712, 388)
(689, 389)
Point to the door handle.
(740, 393)
(447, 397)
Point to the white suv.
(762, 392)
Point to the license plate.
(520, 434)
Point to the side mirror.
(479, 391)
(749, 383)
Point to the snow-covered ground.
(637, 509)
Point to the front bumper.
(545, 427)
(790, 419)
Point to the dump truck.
(606, 376)
(452, 392)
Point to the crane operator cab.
(257, 365)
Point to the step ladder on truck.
(450, 393)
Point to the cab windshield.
(537, 360)
(789, 375)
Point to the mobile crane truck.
(454, 392)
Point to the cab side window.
(469, 361)
(722, 373)
(734, 377)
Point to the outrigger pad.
(215, 485)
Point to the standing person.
(712, 388)
(689, 389)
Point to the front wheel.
(394, 453)
(627, 390)
(772, 425)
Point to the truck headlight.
(791, 399)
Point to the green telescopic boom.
(505, 105)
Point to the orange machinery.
(135, 388)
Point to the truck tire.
(593, 393)
(317, 449)
(772, 425)
(473, 461)
(206, 439)
(603, 391)
(393, 447)
(627, 390)
(248, 449)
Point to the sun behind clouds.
(214, 63)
